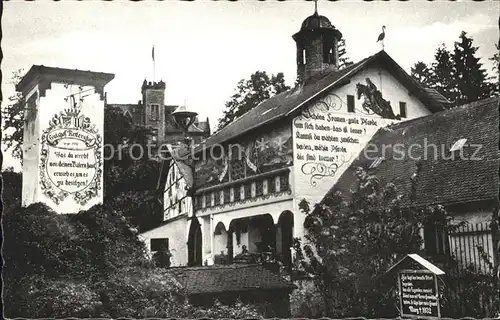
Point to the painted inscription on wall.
(326, 141)
(71, 157)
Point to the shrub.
(353, 239)
(139, 292)
(218, 310)
(43, 297)
(89, 264)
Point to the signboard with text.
(419, 295)
(70, 166)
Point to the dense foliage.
(353, 239)
(458, 75)
(130, 179)
(250, 93)
(470, 77)
(13, 119)
(344, 60)
(89, 264)
(12, 184)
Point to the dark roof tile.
(440, 180)
(228, 278)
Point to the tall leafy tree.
(443, 77)
(458, 75)
(250, 93)
(495, 79)
(130, 175)
(13, 119)
(344, 60)
(422, 73)
(11, 186)
(471, 78)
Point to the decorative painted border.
(48, 188)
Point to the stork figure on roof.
(381, 37)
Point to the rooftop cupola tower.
(317, 46)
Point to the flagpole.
(154, 67)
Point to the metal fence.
(471, 246)
(470, 282)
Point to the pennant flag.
(250, 164)
(153, 53)
(224, 172)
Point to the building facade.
(249, 177)
(63, 145)
(178, 209)
(152, 112)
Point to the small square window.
(208, 200)
(227, 195)
(216, 197)
(402, 109)
(237, 193)
(259, 188)
(284, 183)
(271, 185)
(154, 111)
(159, 243)
(247, 191)
(350, 103)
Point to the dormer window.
(458, 145)
(376, 163)
(127, 114)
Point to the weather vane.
(315, 6)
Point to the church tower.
(153, 100)
(317, 47)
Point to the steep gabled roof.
(439, 97)
(173, 158)
(439, 179)
(228, 278)
(290, 102)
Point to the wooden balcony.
(250, 189)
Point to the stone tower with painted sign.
(63, 137)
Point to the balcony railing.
(261, 186)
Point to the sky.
(203, 48)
